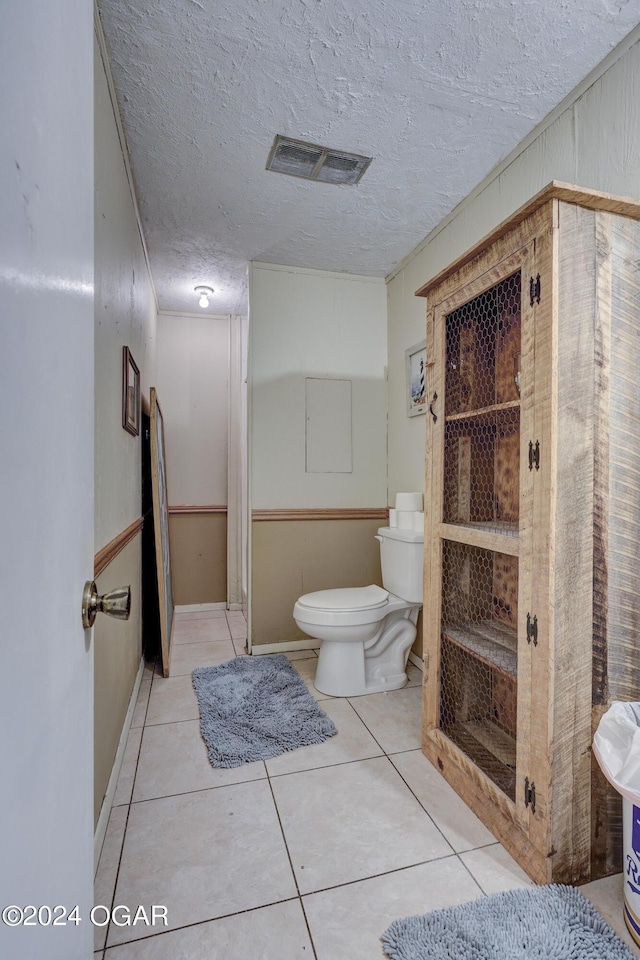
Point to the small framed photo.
(416, 365)
(130, 393)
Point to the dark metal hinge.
(534, 289)
(532, 629)
(530, 794)
(534, 454)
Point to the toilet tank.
(402, 556)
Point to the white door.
(46, 477)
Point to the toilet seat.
(346, 598)
(346, 606)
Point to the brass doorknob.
(116, 603)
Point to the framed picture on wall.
(416, 365)
(130, 393)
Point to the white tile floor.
(309, 855)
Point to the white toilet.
(367, 632)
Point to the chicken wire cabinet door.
(478, 541)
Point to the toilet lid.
(346, 598)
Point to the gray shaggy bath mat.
(254, 708)
(540, 923)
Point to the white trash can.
(631, 866)
(616, 746)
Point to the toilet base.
(341, 672)
(356, 668)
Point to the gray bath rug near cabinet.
(553, 922)
(254, 708)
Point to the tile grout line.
(293, 872)
(200, 923)
(383, 873)
(370, 732)
(326, 766)
(468, 869)
(407, 785)
(187, 793)
(447, 841)
(190, 642)
(126, 824)
(168, 723)
(300, 897)
(144, 721)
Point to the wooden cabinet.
(532, 523)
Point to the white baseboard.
(105, 810)
(416, 661)
(199, 607)
(235, 606)
(258, 649)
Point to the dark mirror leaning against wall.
(150, 598)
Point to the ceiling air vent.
(312, 162)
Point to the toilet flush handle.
(378, 537)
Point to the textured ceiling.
(436, 92)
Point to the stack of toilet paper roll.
(408, 513)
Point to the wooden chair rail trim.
(322, 513)
(109, 552)
(197, 508)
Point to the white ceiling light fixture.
(313, 162)
(205, 293)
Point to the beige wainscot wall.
(117, 655)
(198, 541)
(296, 556)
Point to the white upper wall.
(193, 392)
(593, 140)
(125, 315)
(309, 323)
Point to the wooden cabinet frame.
(575, 561)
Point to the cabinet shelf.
(495, 644)
(499, 535)
(492, 413)
(490, 749)
(503, 528)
